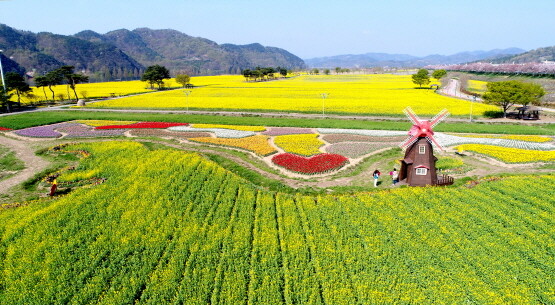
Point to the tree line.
(264, 73)
(17, 86)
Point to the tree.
(438, 74)
(421, 77)
(16, 82)
(41, 81)
(283, 72)
(315, 71)
(72, 78)
(327, 71)
(5, 98)
(337, 70)
(155, 75)
(506, 94)
(53, 78)
(182, 79)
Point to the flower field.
(98, 90)
(353, 144)
(160, 125)
(234, 127)
(173, 227)
(300, 144)
(355, 149)
(527, 138)
(257, 144)
(348, 94)
(477, 86)
(318, 164)
(97, 123)
(510, 155)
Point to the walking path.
(26, 153)
(453, 89)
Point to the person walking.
(376, 176)
(394, 176)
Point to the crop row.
(173, 227)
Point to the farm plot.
(301, 149)
(174, 227)
(348, 94)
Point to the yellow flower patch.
(97, 123)
(234, 127)
(300, 144)
(348, 94)
(257, 144)
(510, 155)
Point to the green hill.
(537, 55)
(124, 54)
(171, 227)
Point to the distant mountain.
(124, 54)
(537, 55)
(182, 53)
(403, 60)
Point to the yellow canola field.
(96, 90)
(348, 94)
(477, 86)
(510, 155)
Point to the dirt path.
(453, 89)
(26, 153)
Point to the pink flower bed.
(318, 164)
(279, 131)
(354, 149)
(167, 133)
(161, 125)
(338, 138)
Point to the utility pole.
(324, 96)
(187, 92)
(3, 82)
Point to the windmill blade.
(408, 142)
(431, 139)
(412, 116)
(439, 117)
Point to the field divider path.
(25, 153)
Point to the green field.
(171, 227)
(25, 120)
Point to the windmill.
(418, 167)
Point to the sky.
(308, 28)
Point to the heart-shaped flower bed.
(143, 125)
(313, 165)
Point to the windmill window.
(421, 149)
(421, 171)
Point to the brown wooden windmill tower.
(418, 168)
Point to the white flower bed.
(445, 139)
(450, 140)
(219, 132)
(363, 132)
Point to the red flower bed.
(4, 129)
(143, 125)
(314, 165)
